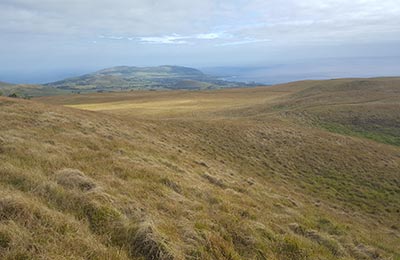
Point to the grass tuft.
(74, 179)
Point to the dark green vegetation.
(224, 174)
(135, 78)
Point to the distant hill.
(128, 78)
(27, 90)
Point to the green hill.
(128, 78)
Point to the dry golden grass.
(169, 103)
(231, 174)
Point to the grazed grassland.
(232, 174)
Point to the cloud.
(166, 39)
(172, 39)
(209, 36)
(192, 32)
(307, 19)
(246, 41)
(163, 40)
(112, 37)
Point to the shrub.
(13, 95)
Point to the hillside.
(223, 174)
(134, 78)
(28, 91)
(365, 107)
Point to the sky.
(46, 40)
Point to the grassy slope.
(24, 90)
(366, 108)
(198, 175)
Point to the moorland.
(304, 170)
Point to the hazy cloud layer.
(310, 19)
(189, 31)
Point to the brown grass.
(247, 174)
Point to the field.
(306, 170)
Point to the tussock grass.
(147, 241)
(74, 179)
(264, 181)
